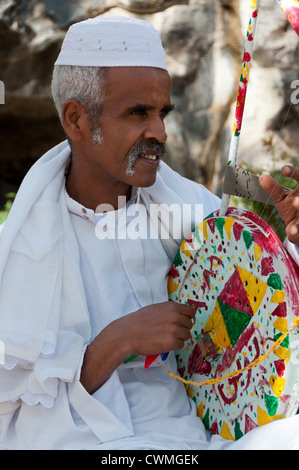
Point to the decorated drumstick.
(238, 181)
(243, 83)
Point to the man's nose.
(156, 130)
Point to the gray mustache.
(149, 147)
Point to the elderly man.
(77, 298)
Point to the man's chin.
(144, 173)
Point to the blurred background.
(204, 42)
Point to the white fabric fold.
(26, 325)
(111, 416)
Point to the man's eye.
(139, 112)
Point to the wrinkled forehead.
(131, 86)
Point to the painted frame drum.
(244, 286)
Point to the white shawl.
(33, 246)
(44, 321)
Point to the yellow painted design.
(278, 297)
(257, 252)
(172, 285)
(225, 432)
(229, 221)
(283, 353)
(203, 227)
(217, 329)
(254, 287)
(281, 324)
(185, 248)
(200, 410)
(262, 417)
(277, 385)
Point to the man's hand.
(157, 328)
(286, 201)
(154, 329)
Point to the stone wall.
(204, 43)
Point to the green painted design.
(271, 404)
(206, 419)
(274, 280)
(178, 260)
(219, 222)
(286, 341)
(248, 238)
(131, 358)
(237, 430)
(235, 321)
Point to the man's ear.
(74, 120)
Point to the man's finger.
(292, 231)
(291, 172)
(187, 310)
(272, 187)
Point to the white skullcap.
(112, 42)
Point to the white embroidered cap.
(112, 42)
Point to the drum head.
(244, 286)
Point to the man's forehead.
(138, 86)
(137, 78)
(133, 71)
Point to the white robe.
(60, 285)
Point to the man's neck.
(92, 194)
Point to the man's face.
(132, 127)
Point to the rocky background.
(204, 44)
